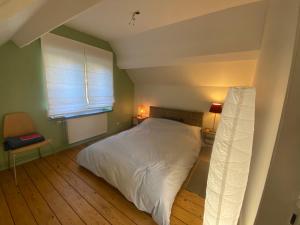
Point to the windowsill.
(81, 114)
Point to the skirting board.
(82, 128)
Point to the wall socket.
(295, 220)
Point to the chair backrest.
(16, 124)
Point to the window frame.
(81, 114)
(88, 111)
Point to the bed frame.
(188, 117)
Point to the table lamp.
(215, 108)
(141, 112)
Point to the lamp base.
(213, 128)
(210, 130)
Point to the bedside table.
(208, 136)
(137, 120)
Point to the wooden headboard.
(188, 117)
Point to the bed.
(149, 163)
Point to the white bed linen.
(147, 163)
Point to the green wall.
(22, 89)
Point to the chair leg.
(40, 155)
(15, 169)
(8, 160)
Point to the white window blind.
(99, 77)
(79, 77)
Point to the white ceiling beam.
(148, 62)
(50, 16)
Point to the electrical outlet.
(293, 219)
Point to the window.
(79, 77)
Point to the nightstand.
(208, 136)
(137, 120)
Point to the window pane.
(99, 72)
(79, 77)
(66, 91)
(64, 70)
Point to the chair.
(17, 124)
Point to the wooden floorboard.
(175, 221)
(193, 198)
(185, 216)
(36, 203)
(107, 192)
(56, 191)
(18, 207)
(62, 209)
(185, 203)
(5, 214)
(105, 208)
(83, 209)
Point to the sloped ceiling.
(24, 21)
(237, 29)
(192, 43)
(109, 19)
(14, 13)
(172, 42)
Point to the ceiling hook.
(133, 17)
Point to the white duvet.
(147, 164)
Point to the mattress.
(148, 164)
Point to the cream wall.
(190, 86)
(282, 190)
(273, 70)
(181, 97)
(213, 74)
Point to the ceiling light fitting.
(133, 18)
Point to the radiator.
(79, 129)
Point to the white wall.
(283, 184)
(273, 70)
(190, 86)
(181, 97)
(217, 74)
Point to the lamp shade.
(215, 108)
(230, 159)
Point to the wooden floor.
(55, 190)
